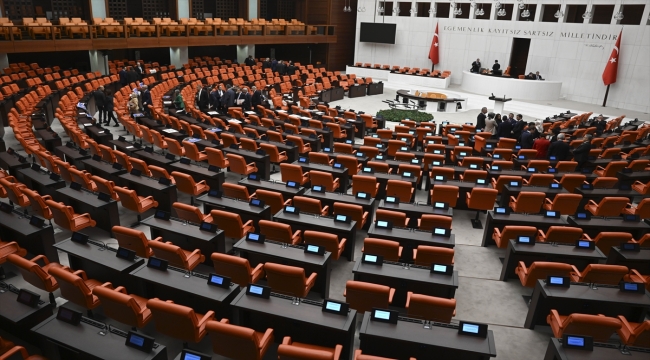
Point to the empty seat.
(190, 213)
(600, 274)
(231, 224)
(397, 218)
(642, 209)
(238, 165)
(310, 205)
(178, 321)
(185, 183)
(599, 327)
(273, 199)
(279, 232)
(291, 172)
(363, 296)
(430, 308)
(132, 201)
(237, 269)
(324, 179)
(401, 189)
(329, 241)
(238, 342)
(35, 274)
(176, 256)
(481, 199)
(126, 308)
(606, 239)
(634, 334)
(426, 255)
(571, 181)
(389, 250)
(365, 184)
(512, 232)
(289, 280)
(444, 193)
(354, 211)
(290, 350)
(429, 222)
(541, 270)
(560, 234)
(566, 204)
(76, 287)
(134, 240)
(236, 191)
(527, 202)
(65, 217)
(608, 206)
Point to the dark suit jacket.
(123, 78)
(281, 68)
(246, 106)
(518, 128)
(581, 153)
(560, 149)
(526, 140)
(480, 121)
(228, 98)
(504, 129)
(215, 98)
(146, 99)
(476, 66)
(496, 67)
(256, 99)
(204, 99)
(132, 76)
(100, 98)
(266, 65)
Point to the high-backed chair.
(238, 165)
(642, 209)
(14, 192)
(401, 189)
(65, 217)
(310, 205)
(273, 199)
(35, 274)
(133, 202)
(566, 204)
(216, 158)
(560, 234)
(139, 165)
(503, 180)
(512, 232)
(279, 232)
(481, 199)
(237, 269)
(105, 186)
(76, 287)
(634, 334)
(176, 256)
(389, 250)
(329, 241)
(611, 169)
(366, 184)
(395, 217)
(606, 239)
(231, 224)
(289, 280)
(571, 181)
(192, 152)
(133, 239)
(83, 178)
(126, 308)
(527, 202)
(190, 213)
(324, 179)
(363, 296)
(444, 193)
(608, 206)
(429, 222)
(543, 180)
(159, 172)
(354, 211)
(599, 327)
(426, 255)
(178, 321)
(12, 352)
(566, 166)
(351, 163)
(38, 203)
(236, 191)
(292, 172)
(185, 183)
(641, 188)
(430, 308)
(320, 158)
(600, 274)
(290, 350)
(238, 342)
(541, 270)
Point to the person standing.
(108, 107)
(600, 125)
(256, 98)
(559, 148)
(480, 119)
(274, 65)
(123, 77)
(497, 119)
(214, 99)
(179, 102)
(246, 105)
(519, 127)
(476, 66)
(133, 104)
(228, 99)
(504, 130)
(541, 145)
(581, 153)
(526, 140)
(139, 71)
(490, 124)
(266, 64)
(281, 67)
(203, 98)
(100, 100)
(496, 68)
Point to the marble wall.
(572, 53)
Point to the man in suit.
(560, 149)
(139, 70)
(274, 65)
(519, 127)
(266, 64)
(480, 119)
(146, 98)
(228, 98)
(246, 105)
(476, 66)
(537, 76)
(496, 68)
(132, 75)
(504, 130)
(249, 61)
(256, 98)
(213, 99)
(123, 77)
(100, 99)
(600, 125)
(281, 67)
(291, 68)
(203, 98)
(581, 153)
(526, 139)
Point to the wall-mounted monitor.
(378, 33)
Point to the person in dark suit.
(108, 107)
(249, 61)
(519, 127)
(600, 125)
(281, 68)
(537, 76)
(526, 140)
(214, 99)
(274, 65)
(559, 148)
(496, 68)
(504, 130)
(266, 64)
(123, 77)
(581, 153)
(256, 98)
(132, 75)
(203, 98)
(100, 100)
(246, 105)
(139, 70)
(291, 69)
(476, 66)
(145, 95)
(228, 98)
(480, 119)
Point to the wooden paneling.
(341, 53)
(318, 12)
(117, 9)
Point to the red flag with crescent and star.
(435, 45)
(611, 69)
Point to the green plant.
(397, 115)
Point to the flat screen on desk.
(139, 341)
(472, 329)
(194, 355)
(378, 33)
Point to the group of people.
(496, 69)
(220, 98)
(131, 74)
(104, 103)
(281, 66)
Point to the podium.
(499, 103)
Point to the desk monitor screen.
(496, 156)
(583, 216)
(587, 170)
(337, 166)
(148, 149)
(415, 161)
(463, 153)
(526, 240)
(219, 280)
(343, 218)
(162, 215)
(126, 254)
(362, 195)
(531, 170)
(258, 238)
(209, 227)
(258, 290)
(292, 184)
(407, 174)
(554, 186)
(488, 146)
(515, 184)
(303, 160)
(75, 186)
(562, 281)
(36, 167)
(440, 178)
(384, 315)
(384, 224)
(517, 147)
(380, 146)
(28, 298)
(138, 341)
(257, 203)
(55, 177)
(359, 154)
(79, 238)
(502, 211)
(260, 151)
(372, 259)
(631, 217)
(392, 199)
(551, 170)
(68, 315)
(437, 152)
(164, 181)
(473, 166)
(495, 168)
(626, 246)
(632, 287)
(404, 148)
(587, 187)
(442, 269)
(36, 221)
(118, 166)
(552, 158)
(291, 210)
(625, 187)
(318, 189)
(314, 249)
(472, 329)
(552, 214)
(379, 157)
(327, 149)
(194, 355)
(441, 232)
(348, 141)
(578, 342)
(104, 196)
(254, 177)
(440, 205)
(404, 139)
(586, 244)
(214, 193)
(335, 307)
(481, 182)
(521, 157)
(156, 263)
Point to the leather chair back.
(276, 231)
(216, 158)
(611, 206)
(528, 202)
(34, 273)
(132, 239)
(234, 342)
(366, 184)
(427, 255)
(430, 307)
(308, 205)
(428, 222)
(378, 166)
(170, 252)
(236, 268)
(603, 274)
(177, 321)
(129, 199)
(188, 212)
(563, 234)
(343, 148)
(502, 180)
(473, 175)
(566, 166)
(38, 203)
(390, 250)
(543, 180)
(292, 172)
(363, 296)
(235, 191)
(140, 165)
(444, 193)
(319, 158)
(600, 328)
(74, 289)
(571, 181)
(397, 218)
(350, 163)
(272, 199)
(229, 222)
(604, 182)
(322, 178)
(122, 307)
(354, 211)
(542, 269)
(482, 199)
(185, 183)
(288, 280)
(238, 164)
(401, 189)
(606, 239)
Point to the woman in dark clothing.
(497, 118)
(108, 107)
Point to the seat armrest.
(288, 202)
(548, 201)
(337, 352)
(286, 340)
(523, 267)
(629, 206)
(46, 197)
(390, 295)
(512, 199)
(249, 223)
(297, 233)
(336, 181)
(541, 234)
(81, 274)
(202, 182)
(555, 316)
(15, 350)
(268, 336)
(193, 253)
(159, 238)
(311, 279)
(326, 209)
(600, 168)
(208, 316)
(225, 321)
(408, 299)
(258, 268)
(591, 202)
(342, 243)
(557, 182)
(121, 289)
(305, 174)
(107, 285)
(586, 237)
(40, 257)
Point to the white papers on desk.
(129, 147)
(167, 102)
(179, 111)
(88, 124)
(100, 132)
(319, 113)
(192, 140)
(282, 111)
(169, 131)
(250, 113)
(234, 121)
(305, 118)
(213, 113)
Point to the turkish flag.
(611, 69)
(435, 45)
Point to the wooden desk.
(304, 221)
(329, 198)
(99, 134)
(464, 187)
(102, 169)
(640, 261)
(154, 159)
(292, 255)
(341, 174)
(49, 139)
(561, 253)
(499, 221)
(39, 181)
(287, 192)
(333, 94)
(594, 226)
(376, 88)
(199, 173)
(642, 176)
(417, 279)
(192, 291)
(262, 162)
(305, 323)
(11, 163)
(357, 90)
(36, 240)
(17, 318)
(71, 156)
(165, 195)
(509, 191)
(105, 213)
(410, 339)
(243, 208)
(598, 194)
(409, 239)
(601, 351)
(414, 211)
(99, 262)
(579, 298)
(66, 341)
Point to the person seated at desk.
(559, 148)
(537, 76)
(476, 66)
(496, 68)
